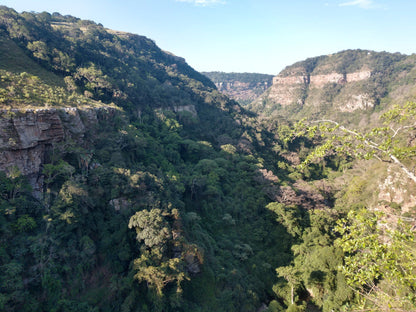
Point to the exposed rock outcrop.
(300, 194)
(396, 188)
(179, 108)
(28, 136)
(242, 91)
(319, 81)
(242, 87)
(347, 81)
(287, 90)
(186, 108)
(360, 101)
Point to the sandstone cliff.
(348, 81)
(292, 89)
(27, 137)
(242, 91)
(242, 87)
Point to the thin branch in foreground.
(376, 146)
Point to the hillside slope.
(127, 181)
(341, 85)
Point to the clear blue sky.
(250, 35)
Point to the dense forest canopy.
(128, 182)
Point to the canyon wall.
(242, 87)
(320, 80)
(28, 136)
(242, 91)
(292, 89)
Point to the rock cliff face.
(242, 91)
(27, 136)
(348, 81)
(287, 90)
(242, 87)
(398, 189)
(318, 81)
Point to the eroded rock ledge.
(319, 81)
(27, 136)
(291, 89)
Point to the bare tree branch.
(376, 146)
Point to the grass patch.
(13, 59)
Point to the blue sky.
(260, 36)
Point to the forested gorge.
(176, 198)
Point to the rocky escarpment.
(318, 81)
(27, 136)
(242, 87)
(348, 81)
(308, 89)
(398, 189)
(242, 91)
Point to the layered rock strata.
(28, 136)
(287, 90)
(242, 91)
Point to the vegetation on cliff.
(155, 208)
(344, 86)
(242, 87)
(180, 199)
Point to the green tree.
(388, 142)
(156, 266)
(379, 262)
(289, 216)
(292, 276)
(151, 228)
